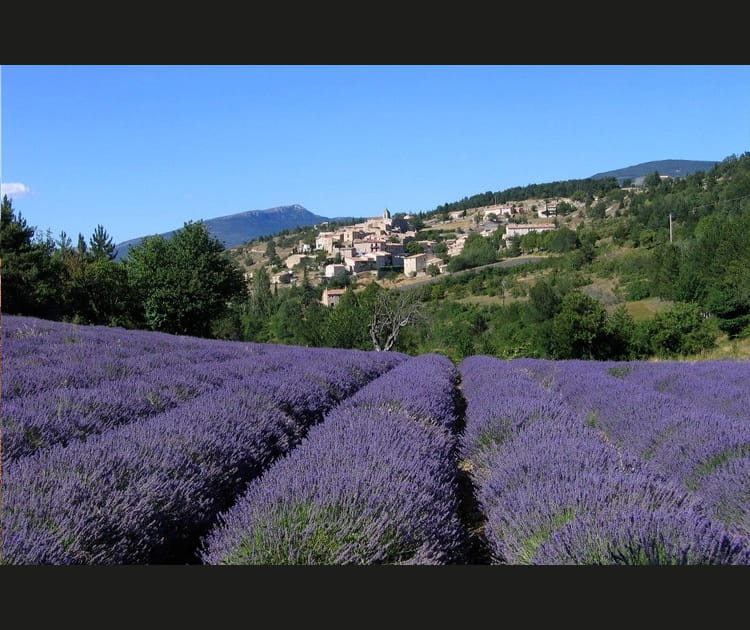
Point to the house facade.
(335, 271)
(521, 229)
(356, 264)
(296, 259)
(501, 210)
(414, 264)
(331, 297)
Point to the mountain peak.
(236, 229)
(673, 168)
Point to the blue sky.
(142, 149)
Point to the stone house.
(521, 229)
(335, 271)
(331, 297)
(414, 264)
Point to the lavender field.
(132, 447)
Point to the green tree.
(579, 330)
(300, 318)
(256, 309)
(101, 294)
(81, 247)
(182, 283)
(561, 240)
(530, 242)
(620, 234)
(346, 325)
(621, 333)
(597, 211)
(544, 300)
(100, 244)
(93, 288)
(513, 246)
(261, 299)
(666, 270)
(652, 180)
(477, 251)
(681, 330)
(440, 249)
(29, 273)
(271, 254)
(414, 247)
(563, 208)
(228, 325)
(64, 244)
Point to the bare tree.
(393, 310)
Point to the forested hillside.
(628, 273)
(577, 189)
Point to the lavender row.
(96, 357)
(423, 387)
(57, 416)
(37, 363)
(554, 493)
(146, 492)
(53, 415)
(89, 390)
(375, 483)
(696, 447)
(721, 386)
(43, 340)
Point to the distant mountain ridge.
(236, 229)
(673, 168)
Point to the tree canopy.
(29, 278)
(182, 283)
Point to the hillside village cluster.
(380, 242)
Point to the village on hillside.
(389, 245)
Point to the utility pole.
(670, 227)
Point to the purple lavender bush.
(638, 536)
(375, 483)
(142, 492)
(726, 491)
(370, 489)
(553, 491)
(57, 416)
(422, 387)
(55, 392)
(146, 491)
(688, 443)
(717, 386)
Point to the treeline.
(296, 316)
(579, 189)
(179, 285)
(691, 198)
(554, 321)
